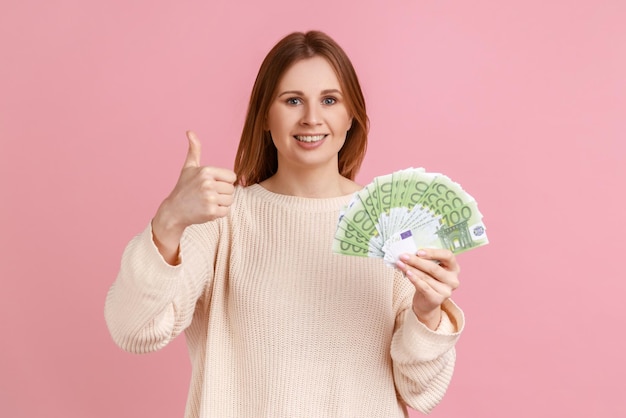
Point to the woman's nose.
(311, 115)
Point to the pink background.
(522, 102)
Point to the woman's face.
(308, 118)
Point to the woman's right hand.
(201, 194)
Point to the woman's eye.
(294, 101)
(329, 101)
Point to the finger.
(423, 281)
(224, 200)
(427, 268)
(222, 187)
(194, 151)
(223, 174)
(218, 187)
(218, 211)
(212, 199)
(420, 285)
(424, 265)
(445, 258)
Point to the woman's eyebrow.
(300, 93)
(332, 91)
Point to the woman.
(276, 324)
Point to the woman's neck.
(310, 183)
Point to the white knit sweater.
(276, 324)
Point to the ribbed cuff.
(420, 343)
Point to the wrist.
(430, 319)
(166, 234)
(165, 221)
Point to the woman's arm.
(166, 268)
(151, 302)
(428, 324)
(424, 359)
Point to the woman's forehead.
(310, 74)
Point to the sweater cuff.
(145, 261)
(425, 344)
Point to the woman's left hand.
(434, 281)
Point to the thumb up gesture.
(201, 194)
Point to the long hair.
(257, 158)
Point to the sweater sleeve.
(151, 302)
(423, 359)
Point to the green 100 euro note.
(408, 210)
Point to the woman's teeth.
(309, 138)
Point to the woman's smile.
(309, 138)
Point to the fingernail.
(421, 253)
(400, 264)
(404, 257)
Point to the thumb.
(194, 152)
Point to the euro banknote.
(407, 210)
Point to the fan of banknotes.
(407, 210)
